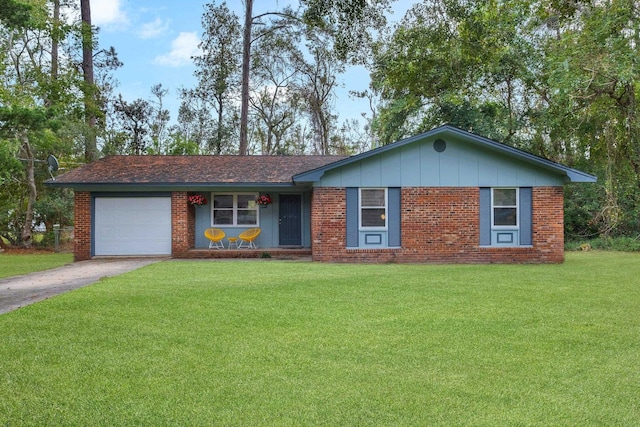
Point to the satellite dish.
(53, 165)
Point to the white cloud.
(153, 29)
(183, 48)
(107, 13)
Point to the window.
(504, 207)
(235, 209)
(506, 216)
(373, 208)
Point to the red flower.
(264, 199)
(197, 200)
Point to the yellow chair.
(247, 238)
(215, 236)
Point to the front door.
(290, 220)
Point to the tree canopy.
(558, 79)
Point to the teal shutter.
(352, 217)
(394, 212)
(485, 216)
(526, 215)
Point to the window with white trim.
(373, 208)
(504, 207)
(238, 209)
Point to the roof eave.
(163, 186)
(579, 176)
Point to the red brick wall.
(328, 224)
(439, 225)
(548, 223)
(82, 226)
(191, 226)
(182, 223)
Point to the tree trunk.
(246, 58)
(220, 130)
(55, 42)
(27, 238)
(91, 147)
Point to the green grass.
(269, 343)
(14, 265)
(624, 244)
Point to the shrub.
(622, 244)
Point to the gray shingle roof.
(167, 170)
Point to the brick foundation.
(439, 225)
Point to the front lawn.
(17, 264)
(270, 343)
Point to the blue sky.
(156, 38)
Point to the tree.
(351, 23)
(597, 84)
(160, 117)
(89, 88)
(557, 79)
(136, 118)
(30, 111)
(246, 64)
(194, 119)
(275, 100)
(318, 89)
(217, 72)
(42, 109)
(462, 65)
(14, 14)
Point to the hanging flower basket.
(264, 200)
(197, 200)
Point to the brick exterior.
(439, 225)
(183, 218)
(82, 226)
(182, 224)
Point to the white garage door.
(132, 226)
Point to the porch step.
(273, 253)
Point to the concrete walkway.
(18, 291)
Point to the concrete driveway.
(18, 291)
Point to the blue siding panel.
(526, 214)
(391, 167)
(352, 217)
(468, 175)
(429, 168)
(410, 168)
(394, 217)
(449, 167)
(351, 176)
(461, 165)
(371, 173)
(485, 216)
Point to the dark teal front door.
(290, 220)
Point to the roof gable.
(447, 131)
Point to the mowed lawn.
(274, 343)
(15, 264)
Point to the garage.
(132, 226)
